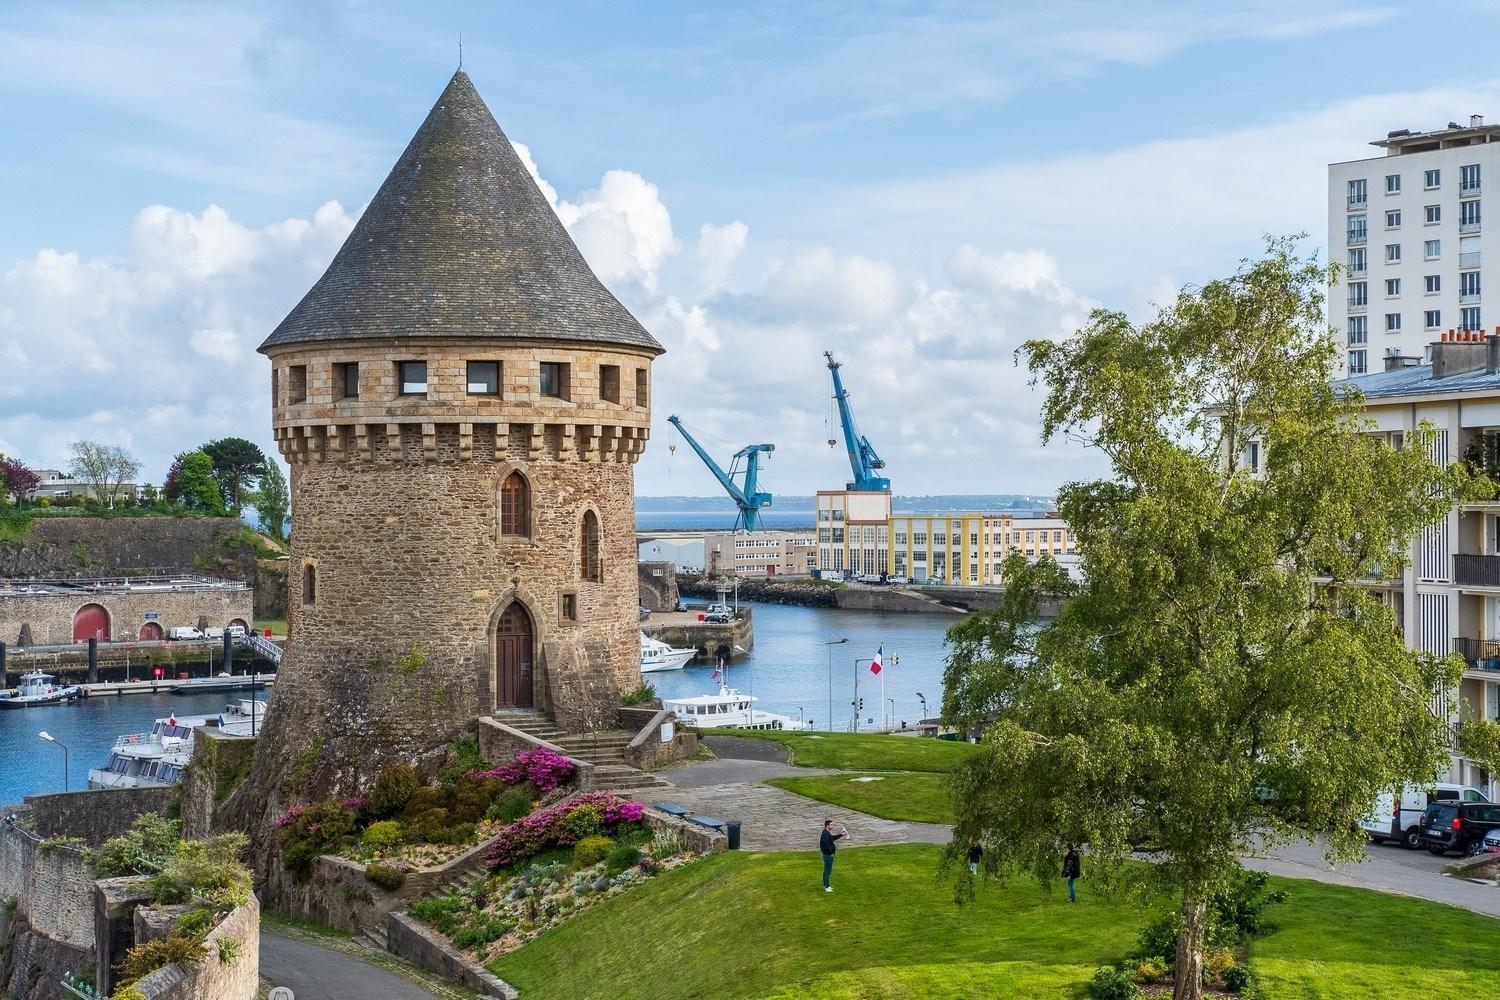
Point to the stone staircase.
(604, 749)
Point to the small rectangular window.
(609, 383)
(1432, 179)
(1468, 284)
(1469, 318)
(1392, 183)
(1393, 219)
(346, 380)
(1432, 319)
(569, 607)
(275, 387)
(642, 386)
(296, 383)
(1432, 249)
(1392, 287)
(412, 377)
(1357, 362)
(484, 378)
(1392, 253)
(1434, 214)
(1433, 283)
(1392, 322)
(1357, 192)
(1468, 178)
(554, 379)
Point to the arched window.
(515, 506)
(309, 584)
(588, 548)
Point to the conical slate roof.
(459, 241)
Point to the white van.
(214, 633)
(184, 632)
(1401, 822)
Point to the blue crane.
(862, 458)
(749, 499)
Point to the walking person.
(827, 846)
(1072, 871)
(975, 853)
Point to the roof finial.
(460, 50)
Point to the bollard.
(93, 659)
(2, 663)
(732, 827)
(228, 652)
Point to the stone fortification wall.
(50, 615)
(73, 547)
(236, 938)
(53, 889)
(96, 815)
(220, 763)
(658, 583)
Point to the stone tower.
(461, 403)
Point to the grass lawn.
(276, 625)
(917, 796)
(743, 925)
(861, 751)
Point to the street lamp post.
(53, 739)
(923, 698)
(829, 646)
(891, 719)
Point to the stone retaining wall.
(52, 885)
(51, 615)
(648, 751)
(499, 744)
(409, 939)
(96, 815)
(658, 583)
(57, 547)
(212, 977)
(220, 763)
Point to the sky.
(916, 188)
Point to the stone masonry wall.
(51, 615)
(52, 884)
(96, 815)
(213, 978)
(74, 547)
(658, 583)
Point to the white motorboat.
(657, 655)
(242, 718)
(157, 757)
(727, 710)
(37, 688)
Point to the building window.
(1468, 178)
(1392, 253)
(1357, 363)
(515, 506)
(900, 538)
(569, 607)
(1468, 214)
(346, 380)
(1468, 318)
(1392, 287)
(411, 376)
(1468, 285)
(1432, 179)
(1357, 191)
(1253, 457)
(309, 584)
(642, 387)
(1392, 322)
(1357, 231)
(838, 535)
(296, 383)
(1432, 319)
(609, 383)
(1358, 261)
(1432, 284)
(484, 378)
(588, 548)
(1359, 293)
(1359, 329)
(1434, 214)
(1393, 219)
(275, 385)
(555, 379)
(1432, 249)
(1392, 183)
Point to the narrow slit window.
(515, 506)
(588, 556)
(309, 584)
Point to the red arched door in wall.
(91, 622)
(513, 647)
(150, 630)
(239, 623)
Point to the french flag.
(875, 664)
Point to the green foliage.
(191, 482)
(15, 526)
(322, 828)
(584, 821)
(640, 695)
(393, 790)
(197, 922)
(273, 501)
(382, 835)
(480, 930)
(53, 843)
(463, 757)
(385, 876)
(128, 993)
(622, 857)
(414, 660)
(236, 464)
(445, 912)
(301, 770)
(143, 959)
(1216, 961)
(142, 850)
(1205, 659)
(592, 850)
(1237, 978)
(1150, 970)
(1110, 983)
(510, 807)
(207, 870)
(229, 950)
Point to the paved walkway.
(313, 972)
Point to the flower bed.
(564, 825)
(541, 890)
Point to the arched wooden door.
(91, 622)
(513, 649)
(151, 630)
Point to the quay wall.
(711, 641)
(807, 594)
(658, 583)
(50, 615)
(54, 547)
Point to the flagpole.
(887, 726)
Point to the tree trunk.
(1188, 974)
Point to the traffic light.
(861, 704)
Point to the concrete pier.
(683, 629)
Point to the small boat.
(37, 688)
(657, 655)
(150, 759)
(727, 710)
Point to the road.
(1385, 869)
(313, 972)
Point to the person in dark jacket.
(826, 845)
(1072, 871)
(975, 853)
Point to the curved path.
(313, 972)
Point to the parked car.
(1492, 842)
(831, 575)
(682, 605)
(719, 609)
(718, 618)
(184, 632)
(213, 633)
(1401, 821)
(645, 613)
(898, 581)
(1450, 825)
(874, 578)
(237, 631)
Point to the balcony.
(1358, 302)
(1358, 237)
(1468, 227)
(1468, 189)
(1467, 297)
(1357, 202)
(1478, 654)
(1476, 571)
(1470, 259)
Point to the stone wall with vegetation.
(47, 912)
(220, 764)
(658, 583)
(96, 815)
(228, 968)
(68, 547)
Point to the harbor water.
(789, 668)
(30, 765)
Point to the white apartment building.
(1447, 597)
(766, 552)
(1406, 225)
(852, 526)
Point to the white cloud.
(719, 247)
(819, 284)
(622, 227)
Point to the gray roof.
(460, 242)
(1417, 380)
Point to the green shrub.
(1237, 978)
(667, 843)
(1151, 970)
(125, 992)
(479, 931)
(382, 835)
(592, 850)
(470, 800)
(393, 791)
(206, 871)
(509, 807)
(646, 692)
(385, 876)
(584, 821)
(446, 913)
(463, 757)
(462, 833)
(1239, 910)
(197, 922)
(229, 950)
(622, 857)
(144, 959)
(1110, 983)
(151, 840)
(430, 827)
(321, 828)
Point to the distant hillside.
(936, 503)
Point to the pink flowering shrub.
(559, 826)
(289, 817)
(542, 767)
